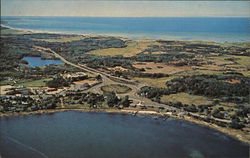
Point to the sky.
(117, 8)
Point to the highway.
(108, 79)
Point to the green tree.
(58, 81)
(111, 99)
(125, 101)
(236, 124)
(98, 77)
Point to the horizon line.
(128, 16)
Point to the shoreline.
(236, 134)
(37, 31)
(65, 33)
(129, 36)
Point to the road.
(108, 79)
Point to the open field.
(4, 89)
(242, 64)
(5, 82)
(117, 68)
(151, 67)
(220, 60)
(243, 60)
(186, 98)
(27, 82)
(35, 83)
(117, 88)
(200, 72)
(240, 61)
(89, 81)
(210, 67)
(155, 82)
(132, 49)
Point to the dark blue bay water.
(99, 135)
(206, 29)
(37, 61)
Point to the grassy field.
(220, 60)
(35, 83)
(155, 82)
(243, 60)
(117, 88)
(243, 65)
(132, 49)
(2, 83)
(27, 83)
(89, 81)
(186, 98)
(200, 72)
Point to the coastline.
(64, 33)
(138, 36)
(237, 134)
(37, 31)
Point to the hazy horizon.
(115, 8)
(129, 16)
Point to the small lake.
(75, 134)
(37, 61)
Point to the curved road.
(109, 79)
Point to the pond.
(37, 61)
(75, 134)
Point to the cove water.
(37, 61)
(192, 28)
(74, 134)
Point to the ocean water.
(100, 135)
(37, 61)
(206, 29)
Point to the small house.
(132, 105)
(86, 85)
(51, 89)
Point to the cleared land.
(117, 68)
(155, 82)
(117, 88)
(186, 98)
(243, 60)
(4, 89)
(151, 67)
(132, 49)
(89, 81)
